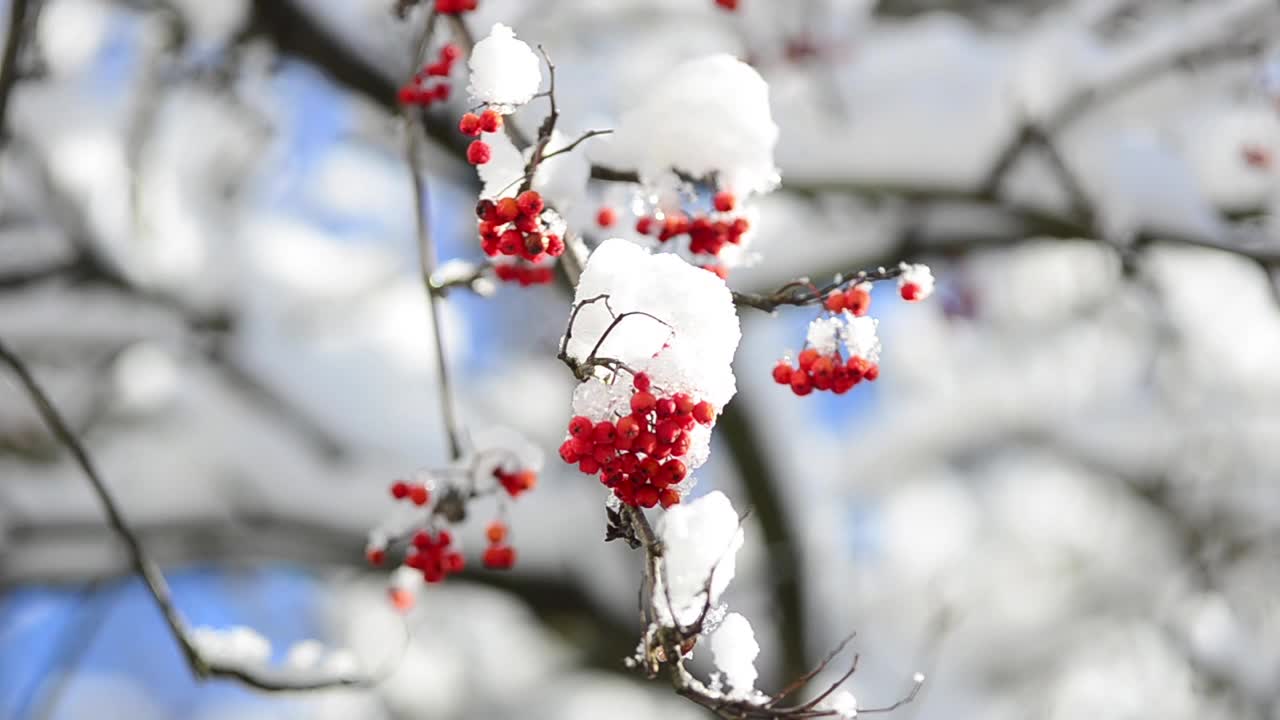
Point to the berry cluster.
(638, 456)
(433, 556)
(455, 7)
(419, 91)
(708, 233)
(499, 555)
(516, 482)
(472, 125)
(856, 299)
(520, 228)
(824, 372)
(415, 493)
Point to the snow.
(237, 645)
(824, 334)
(689, 347)
(858, 334)
(842, 703)
(505, 72)
(735, 649)
(701, 539)
(919, 275)
(705, 116)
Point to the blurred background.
(1058, 501)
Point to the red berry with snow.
(478, 152)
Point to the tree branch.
(262, 678)
(9, 62)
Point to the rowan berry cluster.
(455, 7)
(708, 233)
(422, 89)
(523, 231)
(498, 555)
(824, 372)
(434, 555)
(473, 125)
(639, 455)
(516, 482)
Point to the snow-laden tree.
(431, 298)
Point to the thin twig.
(809, 294)
(454, 429)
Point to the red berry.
(643, 401)
(801, 384)
(496, 532)
(604, 432)
(676, 470)
(606, 217)
(668, 497)
(857, 300)
(421, 540)
(478, 152)
(581, 426)
(419, 495)
(684, 402)
(642, 382)
(469, 125)
(555, 246)
(401, 599)
(490, 121)
(589, 465)
(444, 538)
(725, 201)
(568, 453)
(645, 442)
(644, 225)
(872, 372)
(508, 209)
(666, 407)
(647, 496)
(782, 372)
(628, 427)
(530, 202)
(667, 431)
(807, 358)
(728, 4)
(704, 412)
(835, 301)
(399, 489)
(450, 52)
(437, 69)
(910, 292)
(511, 242)
(375, 556)
(499, 557)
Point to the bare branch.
(262, 678)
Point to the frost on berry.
(701, 540)
(734, 647)
(707, 116)
(678, 330)
(505, 72)
(916, 282)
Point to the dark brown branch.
(261, 678)
(13, 43)
(800, 292)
